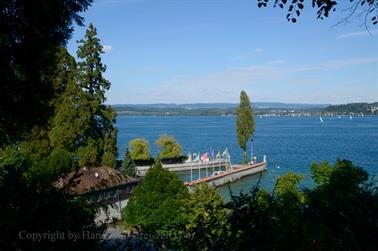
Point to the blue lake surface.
(290, 143)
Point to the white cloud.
(106, 48)
(258, 50)
(358, 34)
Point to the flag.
(196, 157)
(204, 157)
(225, 154)
(218, 155)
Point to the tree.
(342, 210)
(128, 165)
(30, 37)
(98, 119)
(67, 128)
(27, 196)
(110, 149)
(88, 154)
(204, 216)
(366, 8)
(338, 213)
(169, 147)
(154, 206)
(139, 149)
(245, 124)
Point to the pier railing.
(214, 165)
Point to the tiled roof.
(92, 179)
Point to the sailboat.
(321, 119)
(350, 117)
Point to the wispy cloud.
(106, 48)
(335, 64)
(269, 80)
(151, 69)
(357, 34)
(276, 62)
(108, 2)
(247, 55)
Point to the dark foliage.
(339, 213)
(147, 162)
(30, 204)
(366, 8)
(30, 33)
(151, 161)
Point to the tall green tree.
(31, 32)
(245, 124)
(66, 126)
(99, 134)
(169, 147)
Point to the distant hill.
(256, 106)
(215, 109)
(354, 108)
(259, 109)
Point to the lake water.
(290, 143)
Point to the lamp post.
(251, 150)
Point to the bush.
(154, 206)
(169, 147)
(139, 149)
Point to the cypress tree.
(245, 124)
(128, 165)
(99, 118)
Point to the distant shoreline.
(294, 114)
(265, 109)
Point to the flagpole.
(251, 150)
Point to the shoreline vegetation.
(260, 109)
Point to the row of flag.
(207, 156)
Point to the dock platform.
(209, 166)
(237, 172)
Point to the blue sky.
(205, 51)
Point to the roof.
(87, 180)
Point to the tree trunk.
(245, 156)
